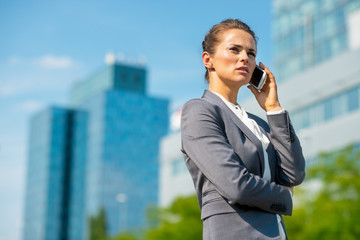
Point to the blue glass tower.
(47, 187)
(75, 225)
(105, 156)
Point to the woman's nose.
(244, 57)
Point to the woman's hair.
(212, 38)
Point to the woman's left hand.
(267, 97)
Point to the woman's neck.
(229, 93)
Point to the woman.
(243, 168)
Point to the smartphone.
(258, 78)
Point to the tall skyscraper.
(100, 154)
(47, 186)
(317, 50)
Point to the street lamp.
(122, 199)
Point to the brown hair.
(212, 37)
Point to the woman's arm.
(291, 163)
(290, 169)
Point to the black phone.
(258, 78)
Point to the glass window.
(328, 109)
(353, 99)
(339, 105)
(339, 44)
(305, 123)
(178, 166)
(327, 5)
(316, 114)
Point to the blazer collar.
(210, 96)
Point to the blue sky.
(47, 45)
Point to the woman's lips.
(243, 69)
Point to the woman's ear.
(207, 60)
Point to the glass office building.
(175, 179)
(75, 224)
(309, 32)
(100, 154)
(114, 76)
(122, 170)
(47, 186)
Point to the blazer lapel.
(270, 159)
(249, 134)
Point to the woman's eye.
(234, 49)
(252, 54)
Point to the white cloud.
(13, 60)
(7, 91)
(55, 62)
(24, 75)
(16, 88)
(48, 61)
(30, 105)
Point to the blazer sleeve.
(205, 142)
(290, 170)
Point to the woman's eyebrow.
(236, 45)
(240, 46)
(252, 50)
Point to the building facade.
(307, 33)
(102, 154)
(114, 76)
(47, 186)
(122, 164)
(175, 179)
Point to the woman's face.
(234, 59)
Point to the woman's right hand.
(267, 97)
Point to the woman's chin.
(240, 81)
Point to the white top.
(254, 127)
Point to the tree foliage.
(124, 236)
(331, 210)
(179, 221)
(97, 225)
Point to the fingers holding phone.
(270, 77)
(258, 78)
(263, 86)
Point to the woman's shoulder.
(200, 105)
(199, 113)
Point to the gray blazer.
(226, 162)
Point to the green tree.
(97, 225)
(333, 210)
(179, 221)
(124, 236)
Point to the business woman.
(243, 168)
